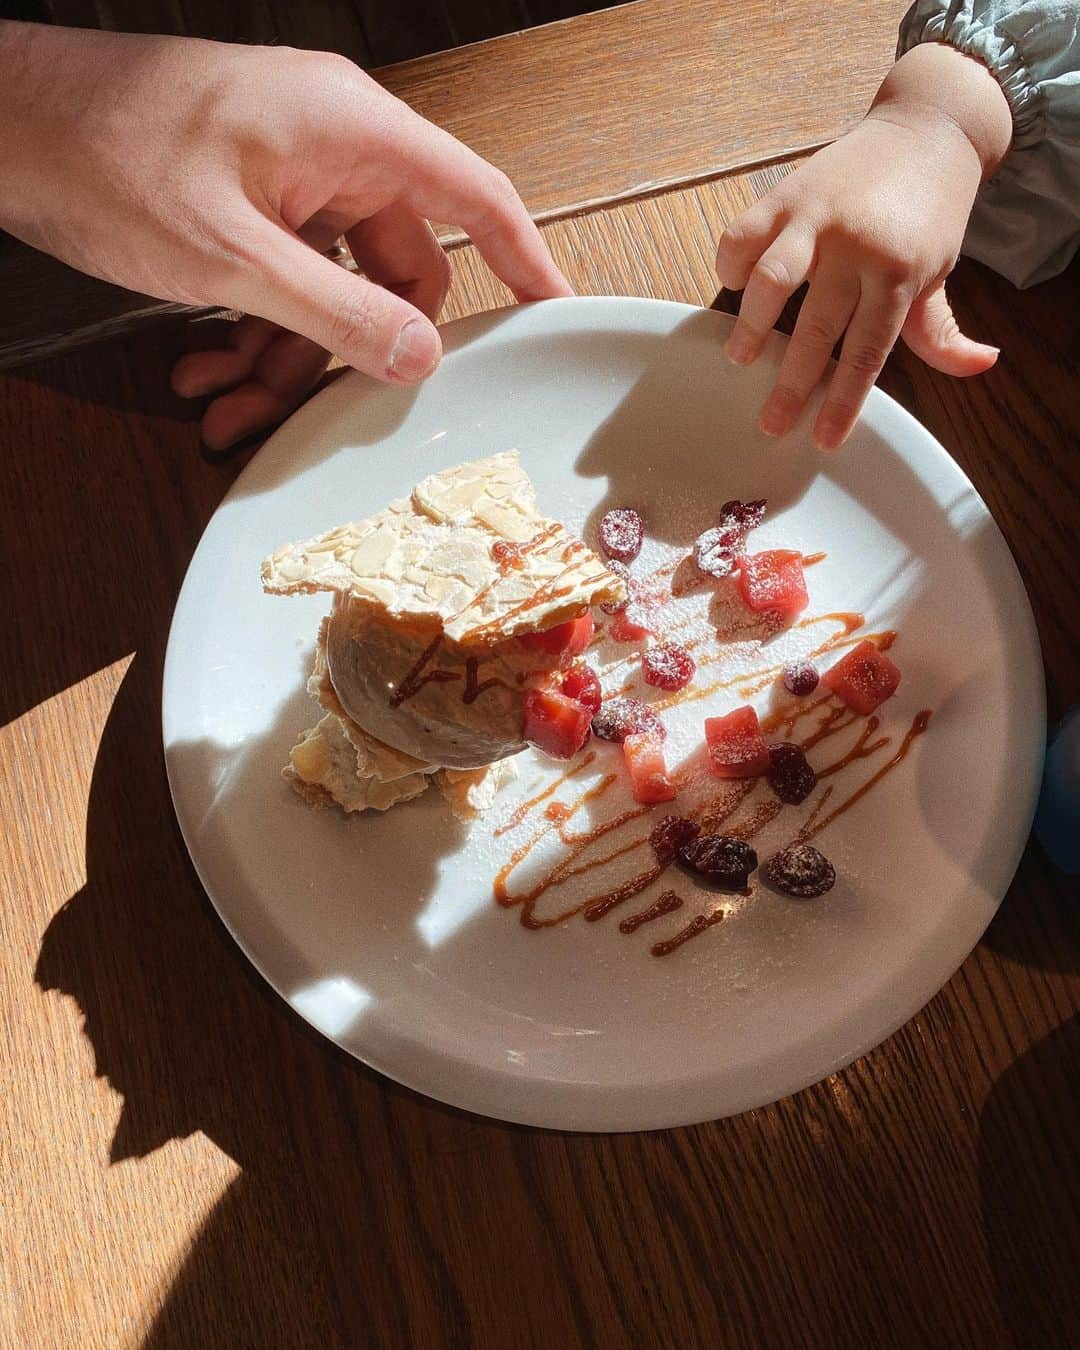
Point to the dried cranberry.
(800, 678)
(670, 834)
(790, 776)
(582, 684)
(800, 870)
(667, 666)
(622, 717)
(723, 859)
(746, 516)
(621, 533)
(716, 552)
(620, 570)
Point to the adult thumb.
(365, 325)
(932, 333)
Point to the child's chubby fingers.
(774, 278)
(745, 240)
(870, 337)
(932, 333)
(825, 314)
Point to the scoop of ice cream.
(436, 700)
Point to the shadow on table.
(1029, 1177)
(1038, 924)
(102, 513)
(185, 1030)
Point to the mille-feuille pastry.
(451, 607)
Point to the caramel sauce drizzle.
(509, 556)
(723, 807)
(557, 814)
(521, 811)
(415, 680)
(693, 929)
(832, 718)
(604, 904)
(666, 904)
(750, 682)
(819, 806)
(918, 726)
(765, 812)
(473, 686)
(863, 748)
(551, 590)
(710, 816)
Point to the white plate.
(382, 930)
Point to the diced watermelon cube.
(571, 637)
(864, 678)
(737, 748)
(649, 777)
(554, 723)
(627, 627)
(774, 581)
(582, 684)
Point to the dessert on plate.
(457, 613)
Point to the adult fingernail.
(772, 422)
(416, 352)
(740, 349)
(828, 436)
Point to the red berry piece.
(620, 570)
(554, 723)
(737, 748)
(790, 776)
(621, 533)
(800, 678)
(622, 717)
(717, 551)
(571, 637)
(800, 870)
(667, 666)
(669, 834)
(774, 580)
(582, 684)
(649, 778)
(721, 858)
(626, 626)
(864, 678)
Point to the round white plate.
(382, 930)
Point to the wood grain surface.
(184, 1164)
(371, 32)
(578, 113)
(587, 111)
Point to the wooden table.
(183, 1163)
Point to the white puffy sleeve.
(1026, 220)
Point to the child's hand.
(875, 223)
(214, 174)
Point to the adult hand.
(214, 174)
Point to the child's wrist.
(936, 88)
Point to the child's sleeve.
(1026, 220)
